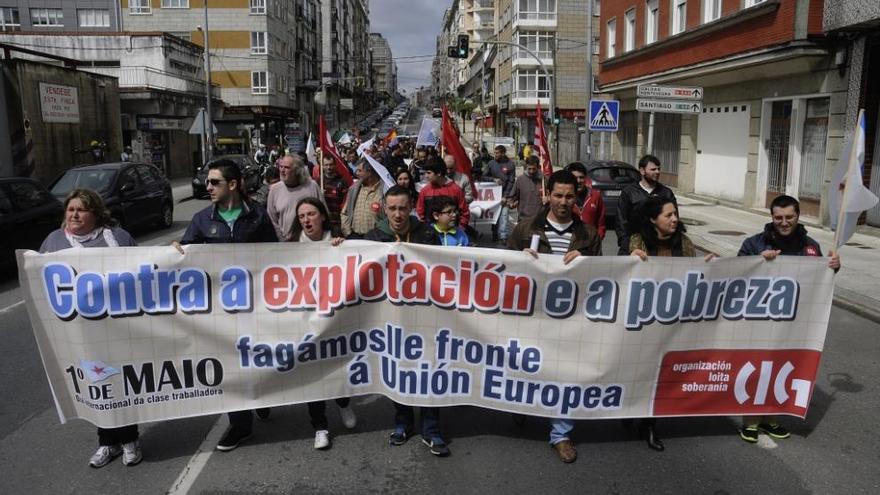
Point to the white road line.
(184, 482)
(11, 307)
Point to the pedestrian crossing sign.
(604, 115)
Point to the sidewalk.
(722, 229)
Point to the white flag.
(846, 185)
(97, 371)
(310, 150)
(345, 139)
(429, 133)
(365, 145)
(381, 171)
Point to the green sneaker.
(774, 430)
(749, 433)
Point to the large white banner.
(129, 335)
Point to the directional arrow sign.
(668, 106)
(673, 92)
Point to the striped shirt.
(558, 235)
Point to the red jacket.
(593, 211)
(450, 189)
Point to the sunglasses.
(214, 182)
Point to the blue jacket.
(769, 239)
(253, 225)
(457, 238)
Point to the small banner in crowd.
(131, 335)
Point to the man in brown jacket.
(559, 232)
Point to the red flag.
(453, 146)
(327, 148)
(541, 144)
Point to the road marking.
(184, 482)
(11, 307)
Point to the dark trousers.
(318, 412)
(243, 420)
(405, 417)
(116, 436)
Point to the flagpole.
(853, 156)
(320, 165)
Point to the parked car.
(28, 212)
(250, 170)
(611, 177)
(137, 194)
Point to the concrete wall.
(55, 145)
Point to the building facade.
(383, 66)
(264, 59)
(774, 95)
(345, 51)
(69, 16)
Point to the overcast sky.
(411, 28)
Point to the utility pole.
(553, 107)
(209, 122)
(588, 148)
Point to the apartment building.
(69, 16)
(856, 24)
(384, 67)
(555, 30)
(479, 25)
(442, 85)
(345, 51)
(264, 58)
(774, 99)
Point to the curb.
(843, 298)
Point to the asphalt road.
(833, 451)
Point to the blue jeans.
(503, 224)
(404, 418)
(559, 429)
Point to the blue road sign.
(604, 115)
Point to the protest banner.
(486, 206)
(131, 335)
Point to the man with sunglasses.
(232, 217)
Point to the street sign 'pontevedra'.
(668, 106)
(670, 92)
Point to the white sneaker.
(131, 453)
(322, 439)
(104, 455)
(349, 418)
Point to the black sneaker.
(263, 413)
(232, 438)
(749, 433)
(398, 437)
(437, 447)
(774, 430)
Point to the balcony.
(149, 78)
(484, 5)
(521, 58)
(534, 20)
(529, 98)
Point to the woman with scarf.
(87, 224)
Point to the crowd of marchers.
(335, 200)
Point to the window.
(258, 6)
(539, 42)
(611, 38)
(652, 21)
(9, 20)
(537, 10)
(259, 43)
(260, 83)
(175, 4)
(711, 10)
(93, 17)
(629, 30)
(26, 196)
(679, 16)
(596, 8)
(752, 3)
(139, 7)
(532, 84)
(47, 17)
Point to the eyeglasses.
(213, 182)
(449, 212)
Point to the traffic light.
(463, 41)
(557, 118)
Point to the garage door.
(722, 151)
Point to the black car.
(611, 177)
(250, 170)
(28, 213)
(136, 194)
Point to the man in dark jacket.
(399, 226)
(785, 236)
(634, 195)
(559, 232)
(503, 172)
(230, 218)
